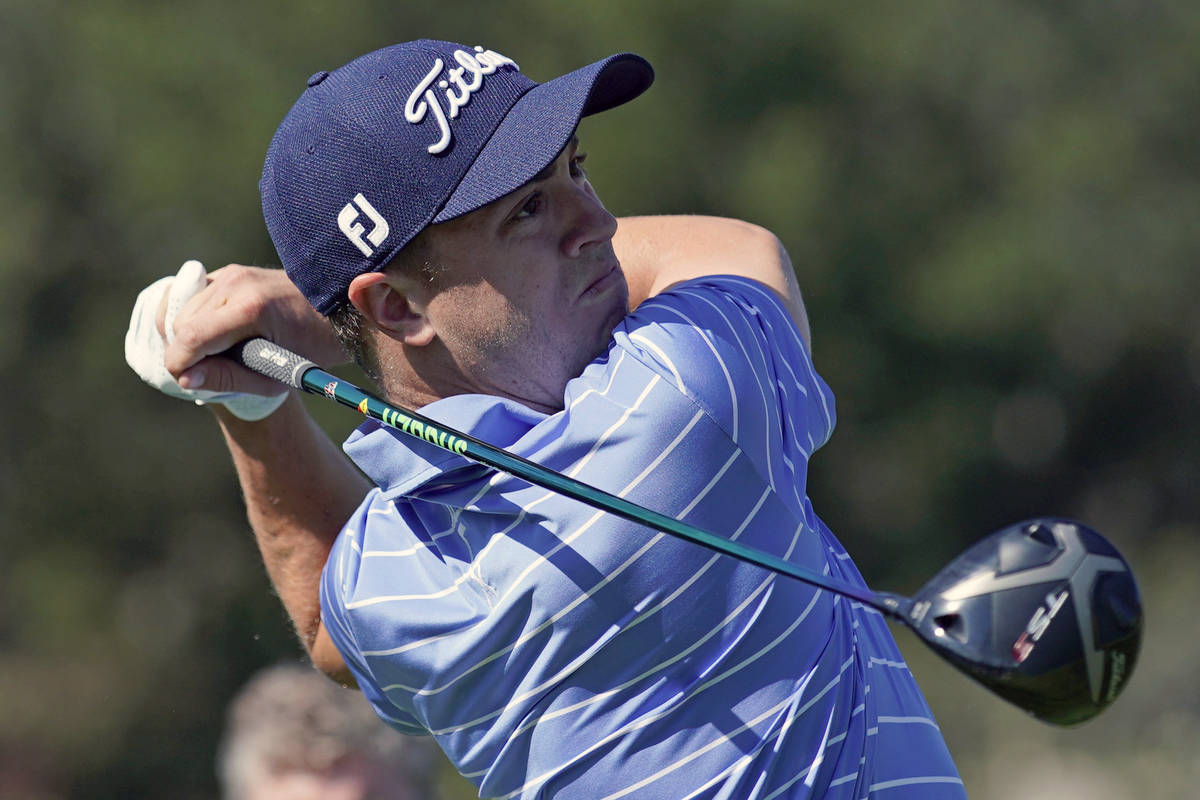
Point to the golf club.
(1045, 613)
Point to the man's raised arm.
(299, 490)
(298, 487)
(658, 252)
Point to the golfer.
(432, 203)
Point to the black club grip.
(268, 358)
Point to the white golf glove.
(144, 347)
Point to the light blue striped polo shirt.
(558, 651)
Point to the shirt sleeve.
(730, 345)
(339, 575)
(384, 588)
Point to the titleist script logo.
(456, 87)
(348, 224)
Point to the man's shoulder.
(734, 308)
(715, 334)
(727, 285)
(729, 346)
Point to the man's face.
(529, 288)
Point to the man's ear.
(380, 299)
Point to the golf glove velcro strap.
(145, 348)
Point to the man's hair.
(352, 328)
(291, 718)
(349, 326)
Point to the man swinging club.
(430, 201)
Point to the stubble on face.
(506, 301)
(502, 346)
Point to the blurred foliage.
(991, 208)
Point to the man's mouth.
(606, 280)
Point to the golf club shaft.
(268, 358)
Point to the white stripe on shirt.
(658, 351)
(876, 787)
(604, 437)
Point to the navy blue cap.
(410, 135)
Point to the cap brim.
(540, 124)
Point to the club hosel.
(896, 606)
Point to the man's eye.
(577, 170)
(531, 207)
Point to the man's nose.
(590, 221)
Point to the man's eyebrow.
(549, 169)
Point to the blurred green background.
(992, 208)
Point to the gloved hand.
(144, 346)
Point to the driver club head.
(1045, 613)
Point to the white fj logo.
(424, 100)
(354, 230)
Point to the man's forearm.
(299, 490)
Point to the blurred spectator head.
(293, 733)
